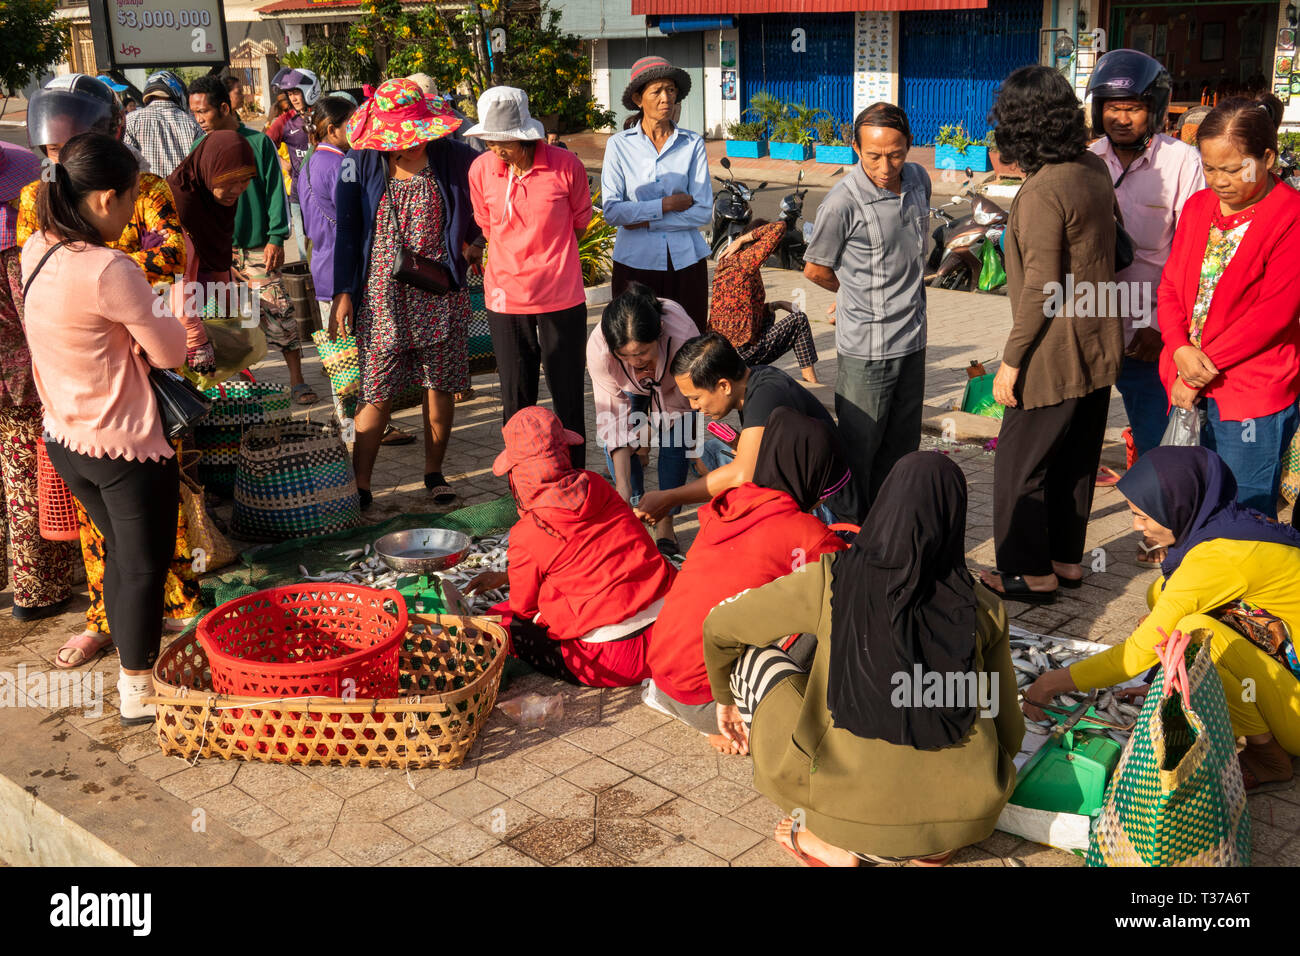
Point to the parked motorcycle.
(794, 243)
(731, 212)
(955, 261)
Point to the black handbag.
(180, 404)
(413, 269)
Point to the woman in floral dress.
(408, 187)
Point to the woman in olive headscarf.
(903, 770)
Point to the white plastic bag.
(533, 710)
(1184, 429)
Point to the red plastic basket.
(306, 640)
(55, 507)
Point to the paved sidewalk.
(615, 783)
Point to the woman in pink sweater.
(95, 328)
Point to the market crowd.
(400, 201)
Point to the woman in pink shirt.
(95, 328)
(532, 202)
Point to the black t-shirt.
(770, 388)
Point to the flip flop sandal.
(1107, 477)
(438, 487)
(395, 436)
(300, 393)
(1150, 557)
(88, 644)
(797, 853)
(1070, 584)
(940, 860)
(466, 396)
(1014, 588)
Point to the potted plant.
(953, 149)
(995, 157)
(833, 149)
(746, 140)
(792, 137)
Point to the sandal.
(797, 853)
(1150, 555)
(939, 860)
(303, 394)
(438, 487)
(667, 547)
(1107, 477)
(395, 436)
(459, 398)
(1014, 588)
(84, 648)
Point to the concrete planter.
(599, 294)
(746, 148)
(976, 157)
(836, 155)
(795, 152)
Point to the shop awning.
(694, 24)
(700, 8)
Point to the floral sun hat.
(398, 117)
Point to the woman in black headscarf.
(1221, 555)
(908, 714)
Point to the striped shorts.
(756, 673)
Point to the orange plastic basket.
(306, 640)
(56, 508)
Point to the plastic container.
(56, 508)
(306, 640)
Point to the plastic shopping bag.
(1184, 428)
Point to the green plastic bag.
(992, 275)
(978, 398)
(1177, 798)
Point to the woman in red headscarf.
(586, 581)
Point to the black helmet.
(1131, 75)
(69, 105)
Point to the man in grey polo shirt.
(868, 247)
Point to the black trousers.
(688, 287)
(556, 342)
(133, 504)
(1044, 476)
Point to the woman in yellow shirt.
(1219, 553)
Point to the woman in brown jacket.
(1066, 341)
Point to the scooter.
(794, 243)
(731, 212)
(955, 260)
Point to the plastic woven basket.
(56, 508)
(306, 640)
(450, 668)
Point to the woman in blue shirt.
(655, 187)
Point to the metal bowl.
(423, 550)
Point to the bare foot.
(811, 846)
(722, 745)
(1068, 572)
(810, 375)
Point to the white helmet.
(304, 81)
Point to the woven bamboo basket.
(450, 668)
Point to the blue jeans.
(1145, 402)
(672, 452)
(717, 453)
(1252, 450)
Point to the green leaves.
(32, 40)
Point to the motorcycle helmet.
(165, 81)
(1131, 75)
(304, 81)
(68, 106)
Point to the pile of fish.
(1031, 656)
(362, 567)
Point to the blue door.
(821, 76)
(951, 62)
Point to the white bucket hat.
(503, 115)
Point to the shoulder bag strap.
(48, 252)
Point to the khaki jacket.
(1067, 333)
(867, 796)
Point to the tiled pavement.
(614, 783)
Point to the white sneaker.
(650, 696)
(132, 689)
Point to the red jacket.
(749, 536)
(602, 569)
(1252, 332)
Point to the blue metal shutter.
(951, 62)
(821, 77)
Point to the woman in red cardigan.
(1229, 302)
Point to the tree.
(491, 43)
(30, 42)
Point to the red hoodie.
(598, 568)
(749, 536)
